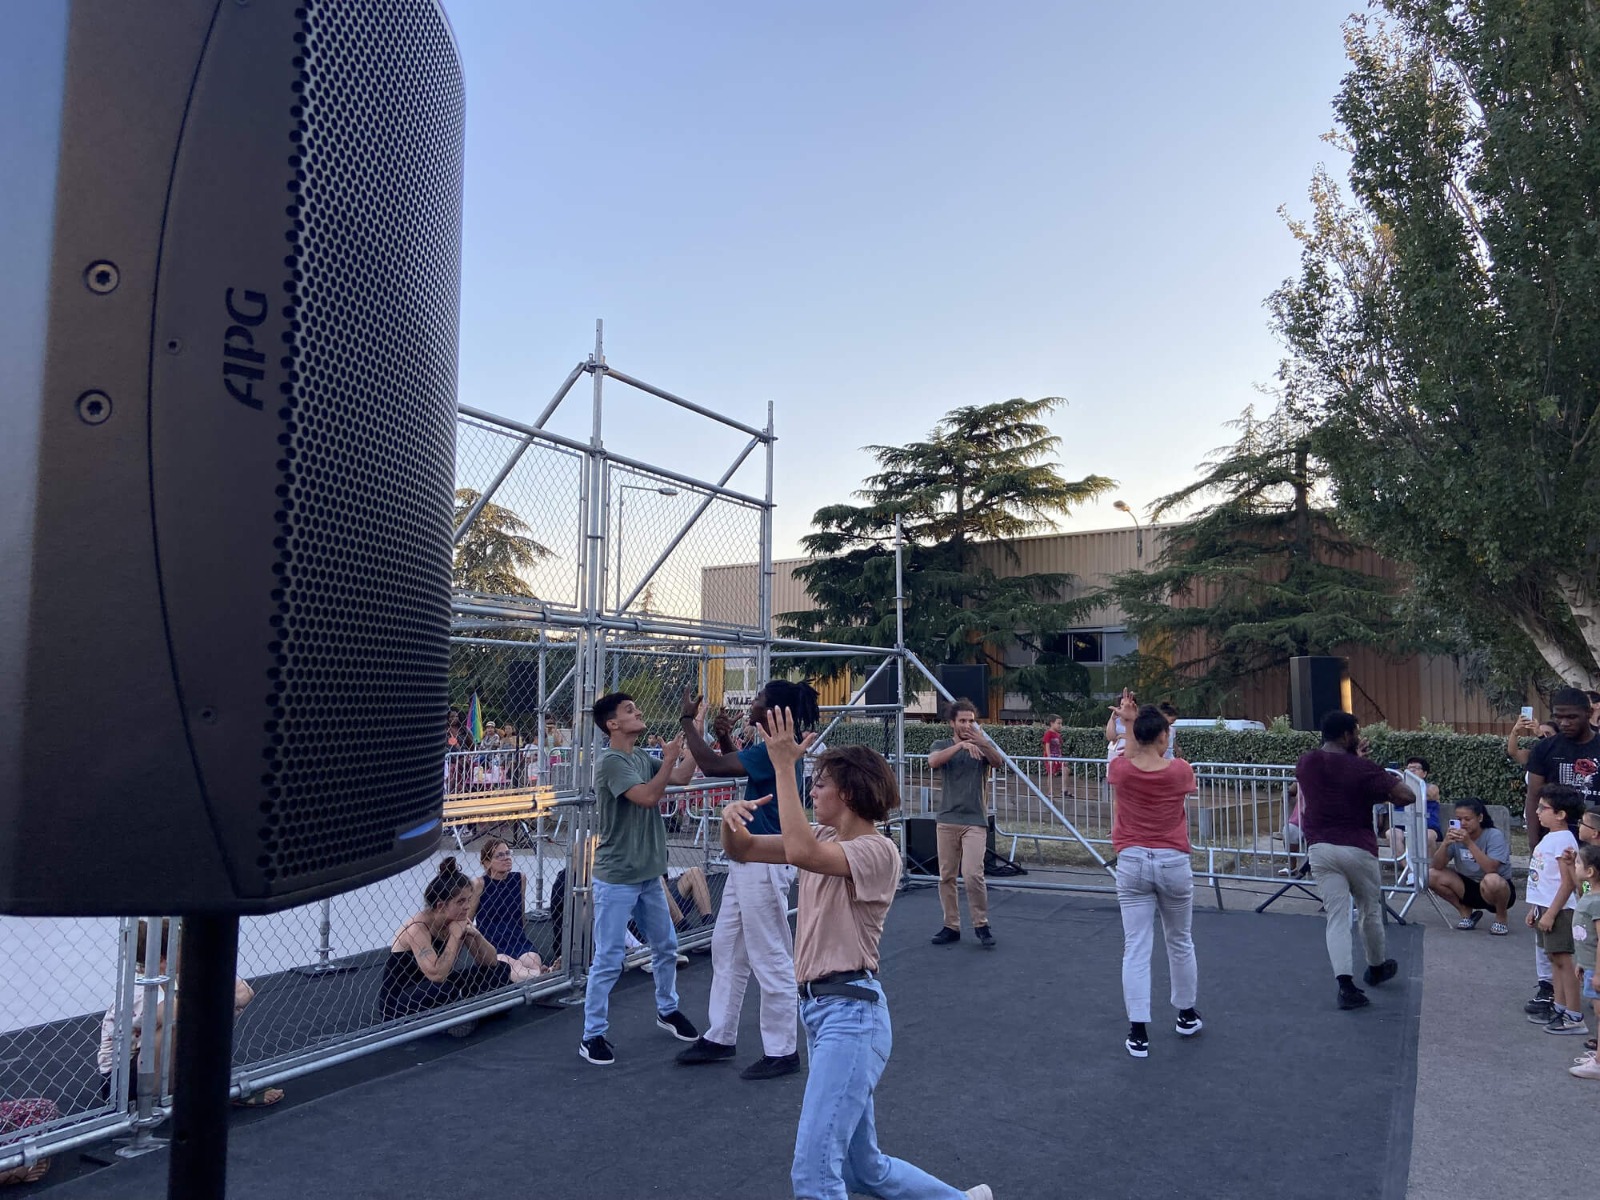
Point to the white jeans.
(752, 936)
(1148, 880)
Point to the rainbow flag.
(475, 720)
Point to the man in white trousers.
(752, 934)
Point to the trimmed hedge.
(1462, 764)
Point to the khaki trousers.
(962, 846)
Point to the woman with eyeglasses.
(501, 896)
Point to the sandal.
(1499, 929)
(1470, 922)
(265, 1098)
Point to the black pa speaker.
(228, 305)
(1318, 685)
(884, 689)
(922, 845)
(522, 688)
(966, 681)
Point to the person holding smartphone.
(1471, 868)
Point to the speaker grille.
(354, 730)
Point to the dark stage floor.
(1008, 1068)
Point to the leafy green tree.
(981, 479)
(496, 550)
(1259, 575)
(1442, 329)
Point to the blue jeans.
(614, 905)
(836, 1145)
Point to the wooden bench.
(518, 807)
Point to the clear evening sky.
(872, 212)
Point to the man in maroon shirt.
(1339, 787)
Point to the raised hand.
(689, 705)
(781, 745)
(738, 813)
(722, 724)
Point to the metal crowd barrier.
(314, 974)
(1048, 812)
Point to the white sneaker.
(980, 1192)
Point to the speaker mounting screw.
(102, 277)
(94, 408)
(174, 346)
(208, 716)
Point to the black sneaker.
(1138, 1041)
(705, 1050)
(1543, 997)
(770, 1066)
(946, 935)
(678, 1026)
(1542, 1013)
(1353, 998)
(1189, 1022)
(985, 938)
(1382, 973)
(598, 1051)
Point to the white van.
(1227, 723)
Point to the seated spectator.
(500, 900)
(243, 993)
(1471, 868)
(1293, 836)
(420, 972)
(689, 902)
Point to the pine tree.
(1257, 576)
(496, 550)
(981, 479)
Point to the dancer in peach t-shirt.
(848, 875)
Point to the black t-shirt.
(1577, 764)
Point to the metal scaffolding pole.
(899, 656)
(764, 584)
(594, 579)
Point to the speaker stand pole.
(204, 1053)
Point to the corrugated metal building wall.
(1402, 692)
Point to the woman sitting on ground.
(1471, 868)
(420, 973)
(501, 898)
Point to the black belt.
(839, 983)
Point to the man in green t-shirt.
(963, 763)
(629, 860)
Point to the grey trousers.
(1342, 873)
(1151, 881)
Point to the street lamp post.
(621, 498)
(1138, 530)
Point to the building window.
(1086, 648)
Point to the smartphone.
(1527, 712)
(1455, 824)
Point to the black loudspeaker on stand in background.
(966, 681)
(922, 846)
(522, 693)
(882, 690)
(1318, 685)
